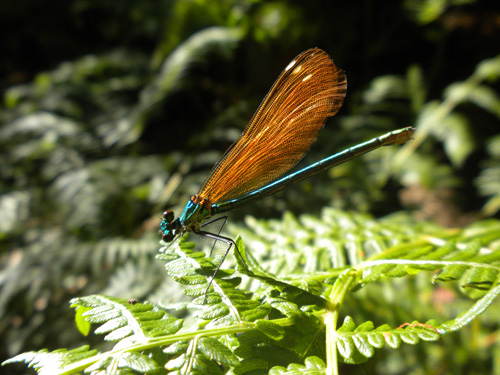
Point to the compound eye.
(168, 216)
(167, 237)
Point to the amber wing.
(286, 124)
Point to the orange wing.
(286, 124)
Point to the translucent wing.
(286, 124)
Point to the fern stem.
(441, 263)
(191, 352)
(155, 342)
(337, 295)
(331, 318)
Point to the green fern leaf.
(271, 329)
(252, 365)
(193, 363)
(81, 323)
(286, 308)
(177, 349)
(137, 362)
(467, 316)
(50, 363)
(255, 313)
(214, 311)
(393, 341)
(312, 366)
(122, 319)
(357, 344)
(217, 351)
(458, 258)
(223, 303)
(479, 278)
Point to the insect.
(286, 124)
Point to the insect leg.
(220, 229)
(230, 243)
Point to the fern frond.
(356, 344)
(114, 250)
(141, 277)
(73, 361)
(203, 355)
(86, 194)
(290, 319)
(335, 240)
(195, 50)
(286, 336)
(134, 326)
(312, 366)
(191, 52)
(378, 249)
(225, 303)
(466, 256)
(50, 363)
(121, 319)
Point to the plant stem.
(337, 295)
